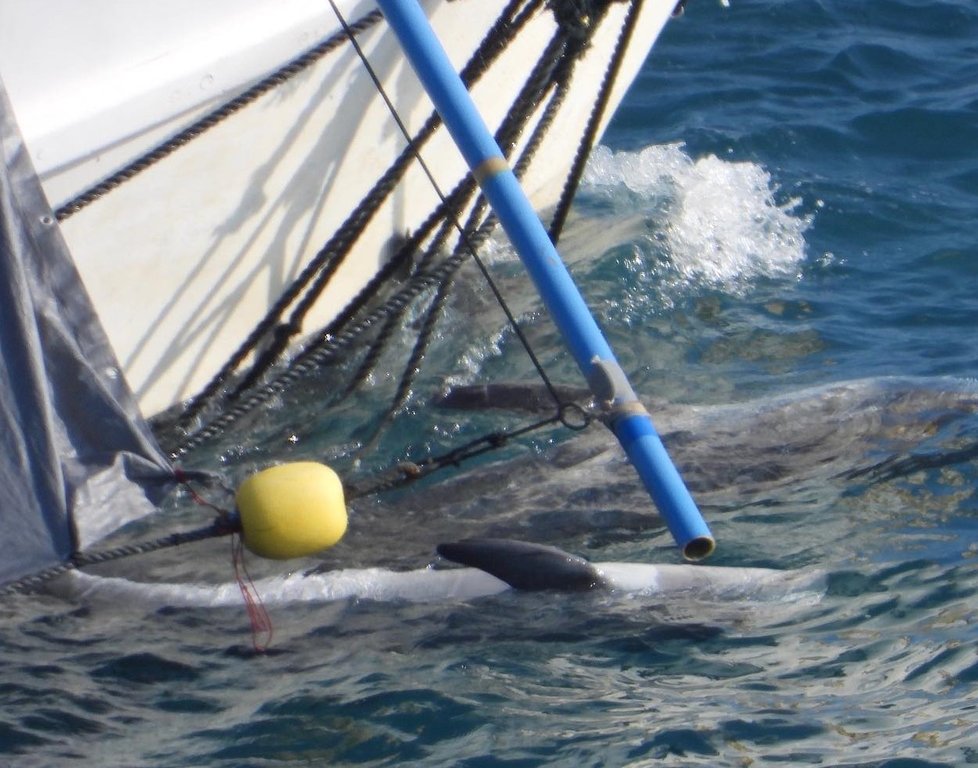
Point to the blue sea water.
(778, 235)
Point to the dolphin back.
(525, 566)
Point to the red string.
(261, 623)
(182, 478)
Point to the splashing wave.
(720, 223)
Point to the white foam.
(718, 222)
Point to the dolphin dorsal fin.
(525, 566)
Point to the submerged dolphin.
(493, 566)
(776, 454)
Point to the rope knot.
(577, 18)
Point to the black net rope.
(219, 527)
(584, 147)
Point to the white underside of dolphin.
(554, 570)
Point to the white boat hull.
(182, 260)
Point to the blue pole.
(628, 419)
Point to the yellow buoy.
(292, 510)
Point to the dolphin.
(489, 567)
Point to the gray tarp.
(76, 458)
